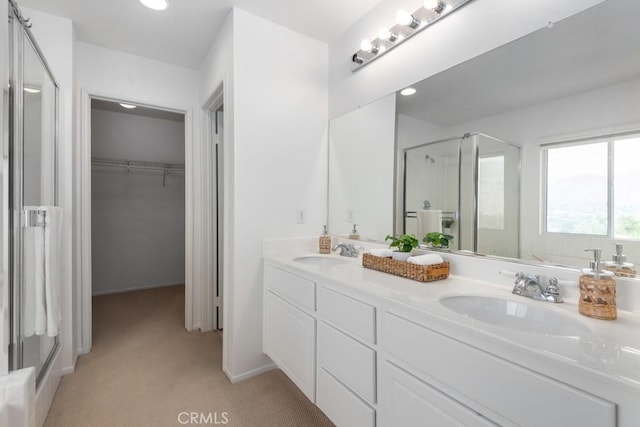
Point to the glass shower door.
(33, 164)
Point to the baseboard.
(249, 374)
(137, 288)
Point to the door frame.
(210, 176)
(82, 256)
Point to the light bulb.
(403, 17)
(127, 106)
(156, 4)
(431, 4)
(31, 90)
(407, 91)
(385, 34)
(366, 45)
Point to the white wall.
(280, 161)
(55, 37)
(276, 162)
(359, 141)
(138, 225)
(468, 33)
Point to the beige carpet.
(146, 370)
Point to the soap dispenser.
(325, 242)
(619, 265)
(354, 233)
(597, 290)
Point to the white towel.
(52, 248)
(18, 398)
(385, 253)
(428, 259)
(35, 316)
(428, 221)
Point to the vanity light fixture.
(127, 106)
(156, 4)
(408, 91)
(407, 24)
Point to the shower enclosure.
(473, 184)
(31, 168)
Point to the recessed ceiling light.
(407, 91)
(31, 90)
(156, 4)
(129, 106)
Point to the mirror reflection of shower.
(466, 187)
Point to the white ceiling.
(182, 34)
(595, 48)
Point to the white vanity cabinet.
(289, 330)
(499, 390)
(346, 359)
(380, 357)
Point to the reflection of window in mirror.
(580, 197)
(491, 192)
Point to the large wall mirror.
(556, 117)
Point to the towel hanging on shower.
(41, 262)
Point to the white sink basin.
(321, 260)
(516, 315)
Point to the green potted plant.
(438, 239)
(404, 243)
(447, 223)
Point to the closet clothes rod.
(164, 167)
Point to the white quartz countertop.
(607, 349)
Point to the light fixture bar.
(408, 24)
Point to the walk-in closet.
(137, 205)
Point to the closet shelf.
(137, 164)
(129, 165)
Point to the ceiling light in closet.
(156, 4)
(407, 91)
(31, 90)
(127, 106)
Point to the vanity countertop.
(610, 350)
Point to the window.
(590, 187)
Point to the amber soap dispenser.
(597, 290)
(325, 242)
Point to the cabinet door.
(341, 405)
(352, 363)
(290, 341)
(409, 402)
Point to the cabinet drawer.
(290, 341)
(352, 363)
(291, 287)
(343, 407)
(409, 402)
(519, 395)
(355, 317)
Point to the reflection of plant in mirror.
(437, 239)
(404, 242)
(447, 222)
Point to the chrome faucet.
(346, 249)
(529, 286)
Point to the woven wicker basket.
(421, 273)
(598, 297)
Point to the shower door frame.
(18, 31)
